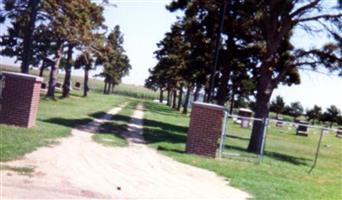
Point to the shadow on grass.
(275, 155)
(153, 135)
(97, 115)
(72, 123)
(112, 129)
(237, 137)
(165, 126)
(288, 158)
(161, 148)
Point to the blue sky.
(144, 22)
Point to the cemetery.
(172, 100)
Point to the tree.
(86, 61)
(22, 15)
(33, 8)
(314, 114)
(295, 110)
(274, 22)
(332, 114)
(72, 22)
(278, 105)
(114, 60)
(258, 33)
(96, 21)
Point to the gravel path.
(80, 168)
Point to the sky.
(144, 23)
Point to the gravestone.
(20, 99)
(302, 128)
(77, 86)
(244, 112)
(280, 122)
(43, 86)
(58, 86)
(339, 132)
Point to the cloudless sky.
(144, 23)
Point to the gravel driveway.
(78, 168)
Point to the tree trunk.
(174, 99)
(331, 124)
(105, 87)
(33, 5)
(85, 83)
(54, 73)
(168, 97)
(109, 87)
(231, 108)
(41, 70)
(277, 115)
(67, 76)
(264, 92)
(112, 88)
(161, 95)
(222, 92)
(180, 98)
(186, 102)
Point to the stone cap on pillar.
(23, 76)
(210, 106)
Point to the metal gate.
(236, 133)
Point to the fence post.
(264, 133)
(317, 151)
(223, 133)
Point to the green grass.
(96, 85)
(20, 170)
(109, 133)
(284, 171)
(55, 119)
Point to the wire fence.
(281, 139)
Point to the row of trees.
(232, 49)
(315, 114)
(62, 34)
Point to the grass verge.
(109, 133)
(20, 170)
(283, 173)
(55, 119)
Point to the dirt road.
(80, 168)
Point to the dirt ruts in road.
(78, 168)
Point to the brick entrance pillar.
(205, 129)
(20, 99)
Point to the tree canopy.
(253, 46)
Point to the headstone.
(77, 86)
(43, 86)
(280, 122)
(302, 128)
(244, 112)
(59, 86)
(339, 132)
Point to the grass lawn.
(283, 173)
(55, 119)
(109, 134)
(97, 85)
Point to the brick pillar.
(20, 99)
(205, 129)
